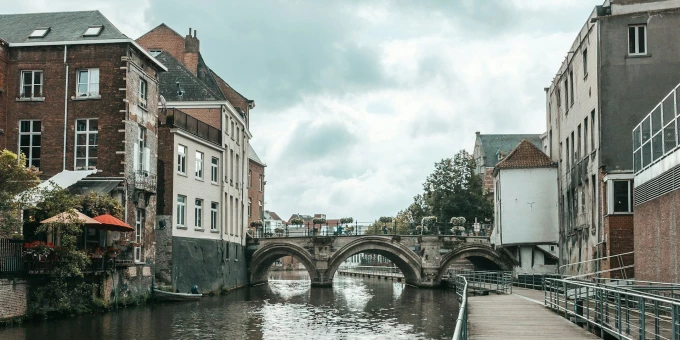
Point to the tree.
(454, 189)
(15, 178)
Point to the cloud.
(357, 100)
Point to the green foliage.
(60, 295)
(297, 221)
(374, 228)
(385, 219)
(92, 204)
(256, 224)
(15, 178)
(346, 220)
(319, 221)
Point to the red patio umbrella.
(109, 222)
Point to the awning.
(108, 222)
(63, 179)
(101, 187)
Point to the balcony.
(144, 181)
(178, 119)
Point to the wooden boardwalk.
(514, 317)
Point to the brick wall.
(618, 230)
(164, 38)
(3, 94)
(13, 297)
(210, 116)
(488, 180)
(656, 239)
(254, 192)
(166, 168)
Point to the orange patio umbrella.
(108, 222)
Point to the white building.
(526, 208)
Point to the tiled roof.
(525, 155)
(64, 26)
(273, 215)
(192, 88)
(494, 144)
(253, 156)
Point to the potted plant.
(278, 231)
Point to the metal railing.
(499, 282)
(193, 126)
(11, 258)
(620, 259)
(335, 228)
(373, 270)
(533, 281)
(623, 312)
(461, 331)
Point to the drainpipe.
(63, 167)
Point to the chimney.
(191, 49)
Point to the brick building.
(256, 184)
(657, 193)
(622, 62)
(491, 149)
(79, 99)
(193, 91)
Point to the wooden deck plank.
(511, 317)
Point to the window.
(566, 93)
(87, 139)
(88, 83)
(621, 196)
(571, 87)
(232, 129)
(31, 84)
(566, 155)
(250, 207)
(93, 31)
(155, 52)
(198, 214)
(573, 150)
(214, 172)
(585, 62)
(30, 141)
(39, 32)
(140, 151)
(140, 221)
(182, 159)
(578, 144)
(181, 210)
(250, 178)
(142, 92)
(585, 136)
(637, 39)
(259, 209)
(261, 183)
(199, 165)
(238, 170)
(559, 97)
(213, 216)
(592, 130)
(231, 169)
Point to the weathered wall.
(254, 193)
(163, 264)
(3, 94)
(130, 284)
(210, 264)
(656, 239)
(13, 297)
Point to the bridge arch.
(475, 252)
(264, 257)
(403, 257)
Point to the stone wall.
(163, 264)
(210, 264)
(130, 284)
(13, 297)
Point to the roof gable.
(162, 26)
(525, 155)
(64, 26)
(252, 155)
(502, 144)
(192, 89)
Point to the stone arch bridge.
(422, 259)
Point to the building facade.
(657, 193)
(491, 149)
(80, 96)
(191, 87)
(526, 209)
(619, 65)
(256, 185)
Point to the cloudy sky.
(356, 100)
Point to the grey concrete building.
(622, 62)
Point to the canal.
(285, 308)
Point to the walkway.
(515, 317)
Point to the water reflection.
(285, 308)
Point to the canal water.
(285, 308)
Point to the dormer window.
(155, 52)
(93, 31)
(39, 32)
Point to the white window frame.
(214, 207)
(198, 173)
(93, 31)
(214, 171)
(637, 39)
(39, 32)
(180, 222)
(250, 207)
(141, 146)
(261, 182)
(139, 233)
(30, 158)
(91, 83)
(87, 133)
(22, 85)
(181, 159)
(609, 179)
(198, 213)
(143, 92)
(155, 52)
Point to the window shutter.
(135, 156)
(147, 159)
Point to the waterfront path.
(520, 315)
